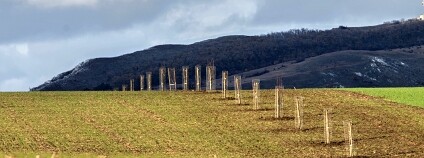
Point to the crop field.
(200, 124)
(409, 96)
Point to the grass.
(197, 124)
(409, 96)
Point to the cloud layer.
(41, 38)
(61, 3)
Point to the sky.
(41, 38)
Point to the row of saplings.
(210, 86)
(298, 111)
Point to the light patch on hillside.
(379, 60)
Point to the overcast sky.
(42, 38)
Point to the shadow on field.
(404, 153)
(235, 104)
(291, 129)
(228, 98)
(252, 110)
(269, 118)
(323, 144)
(203, 92)
(312, 129)
(333, 144)
(281, 130)
(370, 138)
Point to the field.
(200, 124)
(409, 96)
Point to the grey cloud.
(59, 38)
(341, 11)
(23, 22)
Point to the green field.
(409, 96)
(199, 124)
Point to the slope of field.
(409, 96)
(196, 124)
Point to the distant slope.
(391, 68)
(237, 54)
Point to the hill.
(192, 124)
(351, 68)
(238, 54)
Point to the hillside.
(192, 124)
(238, 54)
(352, 68)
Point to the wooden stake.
(237, 87)
(299, 113)
(256, 88)
(162, 76)
(172, 79)
(224, 83)
(278, 101)
(326, 126)
(198, 78)
(132, 85)
(348, 138)
(185, 78)
(149, 81)
(124, 87)
(141, 82)
(210, 78)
